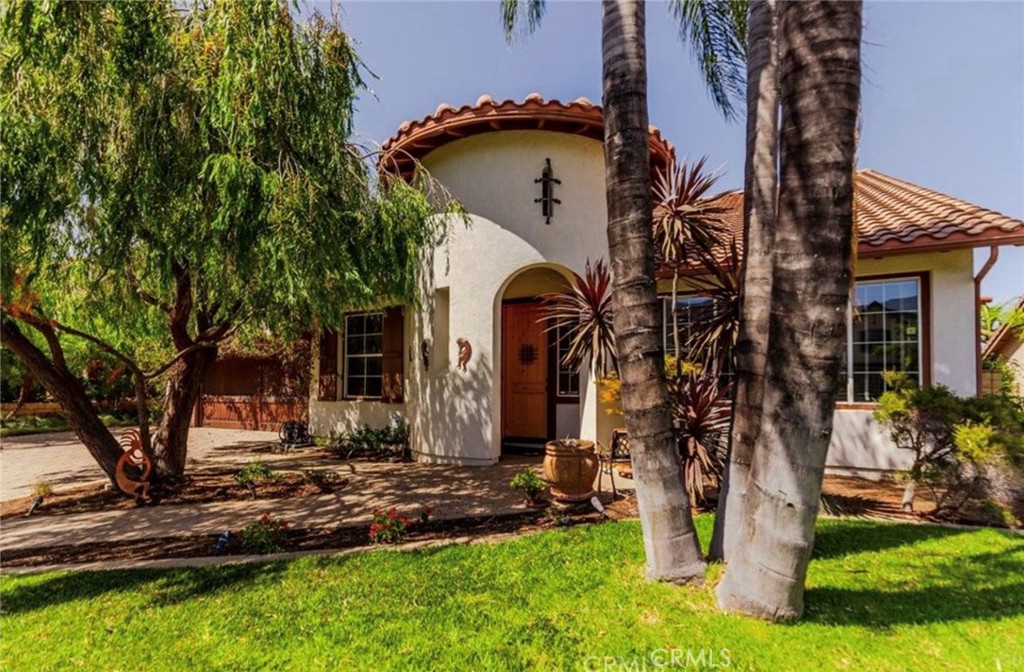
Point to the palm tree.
(670, 540)
(811, 270)
(759, 208)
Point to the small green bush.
(42, 489)
(366, 441)
(388, 528)
(266, 535)
(253, 473)
(955, 440)
(529, 483)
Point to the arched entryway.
(539, 398)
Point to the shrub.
(388, 528)
(322, 479)
(42, 489)
(955, 441)
(253, 473)
(266, 535)
(366, 441)
(529, 483)
(701, 413)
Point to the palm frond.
(520, 17)
(584, 311)
(716, 31)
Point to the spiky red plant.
(701, 411)
(584, 312)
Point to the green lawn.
(880, 597)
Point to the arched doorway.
(537, 393)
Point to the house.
(1006, 347)
(473, 369)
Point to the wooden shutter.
(327, 388)
(393, 347)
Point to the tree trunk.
(820, 64)
(27, 383)
(70, 394)
(670, 540)
(759, 211)
(170, 446)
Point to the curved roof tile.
(415, 139)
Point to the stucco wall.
(455, 415)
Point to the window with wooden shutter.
(327, 385)
(373, 347)
(394, 332)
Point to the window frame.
(558, 369)
(924, 350)
(345, 357)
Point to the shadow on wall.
(453, 420)
(860, 442)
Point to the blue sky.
(943, 93)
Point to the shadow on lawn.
(978, 586)
(835, 539)
(162, 587)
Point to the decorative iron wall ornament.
(131, 442)
(465, 352)
(527, 354)
(547, 198)
(425, 354)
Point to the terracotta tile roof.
(898, 217)
(415, 139)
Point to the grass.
(880, 597)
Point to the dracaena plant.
(687, 224)
(583, 314)
(717, 324)
(701, 411)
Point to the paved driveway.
(62, 459)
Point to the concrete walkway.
(453, 492)
(61, 459)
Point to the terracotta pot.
(571, 467)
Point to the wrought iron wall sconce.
(547, 198)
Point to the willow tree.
(175, 174)
(715, 31)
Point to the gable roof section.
(1003, 336)
(415, 139)
(898, 217)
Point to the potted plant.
(531, 485)
(570, 465)
(584, 312)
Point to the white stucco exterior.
(509, 251)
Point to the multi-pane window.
(568, 384)
(364, 344)
(884, 334)
(690, 312)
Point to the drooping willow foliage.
(150, 144)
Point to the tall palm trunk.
(670, 540)
(759, 210)
(820, 92)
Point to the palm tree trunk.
(670, 540)
(759, 210)
(820, 92)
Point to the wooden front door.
(524, 371)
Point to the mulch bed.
(199, 488)
(317, 538)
